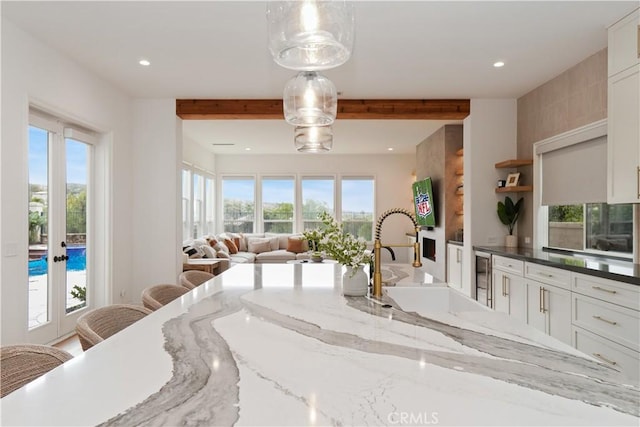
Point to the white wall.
(489, 137)
(156, 214)
(34, 73)
(198, 156)
(393, 174)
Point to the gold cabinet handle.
(598, 288)
(604, 359)
(507, 286)
(611, 322)
(503, 291)
(543, 309)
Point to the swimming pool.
(77, 261)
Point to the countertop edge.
(498, 250)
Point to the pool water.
(77, 261)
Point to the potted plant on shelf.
(508, 212)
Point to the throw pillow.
(223, 254)
(274, 243)
(212, 242)
(257, 246)
(209, 252)
(233, 249)
(296, 245)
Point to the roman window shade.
(574, 174)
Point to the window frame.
(300, 201)
(260, 191)
(220, 199)
(205, 175)
(373, 213)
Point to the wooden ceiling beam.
(358, 109)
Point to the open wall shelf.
(517, 189)
(515, 163)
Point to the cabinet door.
(510, 295)
(454, 266)
(623, 140)
(500, 296)
(535, 312)
(624, 51)
(549, 310)
(557, 307)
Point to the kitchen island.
(277, 344)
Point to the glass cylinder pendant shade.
(310, 99)
(313, 139)
(310, 34)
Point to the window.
(592, 227)
(317, 197)
(238, 199)
(210, 225)
(198, 203)
(357, 206)
(277, 204)
(186, 204)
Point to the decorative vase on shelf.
(511, 241)
(354, 281)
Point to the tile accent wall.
(575, 98)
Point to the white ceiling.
(405, 50)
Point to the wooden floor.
(71, 345)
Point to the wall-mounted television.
(423, 202)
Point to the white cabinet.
(549, 310)
(454, 265)
(549, 300)
(606, 322)
(623, 104)
(509, 293)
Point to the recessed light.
(247, 149)
(144, 62)
(390, 149)
(498, 64)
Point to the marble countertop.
(277, 344)
(623, 271)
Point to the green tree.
(77, 212)
(566, 213)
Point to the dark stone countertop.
(622, 271)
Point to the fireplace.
(429, 248)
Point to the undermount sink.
(427, 300)
(405, 275)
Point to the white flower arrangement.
(343, 247)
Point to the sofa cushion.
(259, 245)
(296, 245)
(222, 254)
(279, 256)
(243, 257)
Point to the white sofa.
(259, 248)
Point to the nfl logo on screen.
(423, 204)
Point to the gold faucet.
(377, 246)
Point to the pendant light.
(310, 35)
(310, 99)
(313, 139)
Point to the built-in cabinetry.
(509, 293)
(605, 321)
(623, 104)
(514, 165)
(549, 300)
(454, 265)
(599, 317)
